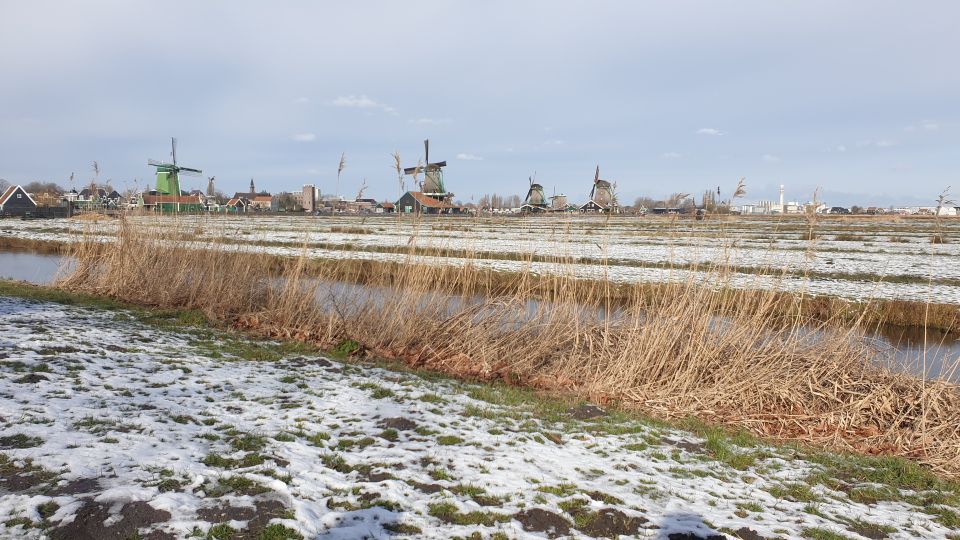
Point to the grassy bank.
(665, 354)
(868, 314)
(887, 475)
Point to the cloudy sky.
(860, 98)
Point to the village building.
(417, 202)
(238, 205)
(16, 202)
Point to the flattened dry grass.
(723, 355)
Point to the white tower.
(781, 198)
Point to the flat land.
(857, 258)
(119, 423)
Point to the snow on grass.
(108, 423)
(898, 254)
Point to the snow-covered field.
(848, 258)
(112, 426)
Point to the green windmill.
(168, 174)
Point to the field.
(859, 258)
(288, 377)
(177, 430)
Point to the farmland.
(857, 258)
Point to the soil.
(399, 424)
(89, 522)
(257, 517)
(611, 523)
(538, 520)
(586, 412)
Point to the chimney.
(781, 197)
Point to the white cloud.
(431, 121)
(709, 131)
(302, 100)
(886, 144)
(303, 137)
(927, 125)
(841, 148)
(672, 155)
(770, 158)
(469, 157)
(361, 102)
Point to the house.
(238, 204)
(16, 202)
(261, 202)
(421, 203)
(385, 208)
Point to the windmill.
(168, 174)
(602, 196)
(432, 185)
(602, 192)
(535, 201)
(211, 190)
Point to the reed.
(737, 357)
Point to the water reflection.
(26, 266)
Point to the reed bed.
(736, 357)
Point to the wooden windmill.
(602, 196)
(432, 183)
(535, 200)
(168, 174)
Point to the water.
(904, 345)
(37, 268)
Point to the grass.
(755, 373)
(448, 513)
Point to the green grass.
(276, 531)
(448, 513)
(449, 440)
(816, 533)
(20, 440)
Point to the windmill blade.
(173, 150)
(188, 171)
(596, 177)
(156, 163)
(426, 151)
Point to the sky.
(860, 99)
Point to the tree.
(3, 185)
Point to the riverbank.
(230, 434)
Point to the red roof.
(430, 202)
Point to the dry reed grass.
(668, 353)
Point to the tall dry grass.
(721, 354)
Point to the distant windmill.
(601, 192)
(432, 185)
(211, 190)
(168, 174)
(535, 200)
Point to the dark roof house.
(16, 201)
